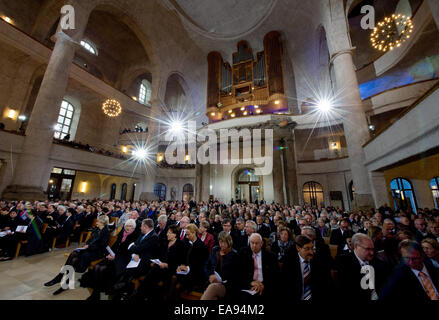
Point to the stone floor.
(23, 278)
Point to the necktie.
(428, 286)
(306, 281)
(255, 266)
(182, 235)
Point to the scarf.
(125, 235)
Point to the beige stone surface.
(23, 278)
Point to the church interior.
(85, 110)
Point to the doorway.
(61, 183)
(247, 186)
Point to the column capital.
(341, 52)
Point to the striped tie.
(306, 281)
(428, 286)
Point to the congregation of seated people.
(237, 252)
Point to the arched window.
(145, 92)
(113, 192)
(248, 175)
(65, 117)
(160, 190)
(123, 192)
(403, 194)
(90, 47)
(313, 194)
(434, 183)
(188, 192)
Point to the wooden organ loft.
(248, 87)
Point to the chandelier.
(112, 108)
(391, 32)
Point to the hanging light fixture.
(112, 108)
(392, 32)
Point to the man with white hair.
(161, 229)
(349, 269)
(258, 271)
(183, 224)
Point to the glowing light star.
(140, 154)
(176, 126)
(324, 105)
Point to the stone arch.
(180, 79)
(236, 171)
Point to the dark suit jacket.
(349, 279)
(322, 286)
(406, 287)
(226, 268)
(146, 248)
(196, 258)
(264, 231)
(98, 242)
(270, 271)
(339, 239)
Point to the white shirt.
(259, 259)
(425, 271)
(362, 263)
(302, 268)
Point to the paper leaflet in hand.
(156, 261)
(110, 251)
(218, 278)
(133, 263)
(184, 272)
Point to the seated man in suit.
(349, 269)
(339, 236)
(421, 229)
(415, 279)
(238, 233)
(320, 247)
(263, 230)
(258, 272)
(161, 229)
(304, 276)
(250, 228)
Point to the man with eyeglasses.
(349, 269)
(415, 279)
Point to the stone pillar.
(20, 88)
(198, 182)
(379, 188)
(278, 183)
(354, 117)
(434, 6)
(32, 164)
(290, 165)
(152, 143)
(205, 184)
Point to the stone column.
(20, 88)
(379, 188)
(32, 164)
(205, 184)
(290, 172)
(198, 182)
(278, 183)
(354, 117)
(152, 143)
(434, 6)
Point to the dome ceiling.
(225, 18)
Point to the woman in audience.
(323, 228)
(171, 256)
(431, 250)
(94, 249)
(221, 268)
(191, 275)
(205, 236)
(280, 247)
(104, 274)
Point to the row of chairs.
(84, 236)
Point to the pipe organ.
(252, 85)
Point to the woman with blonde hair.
(93, 249)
